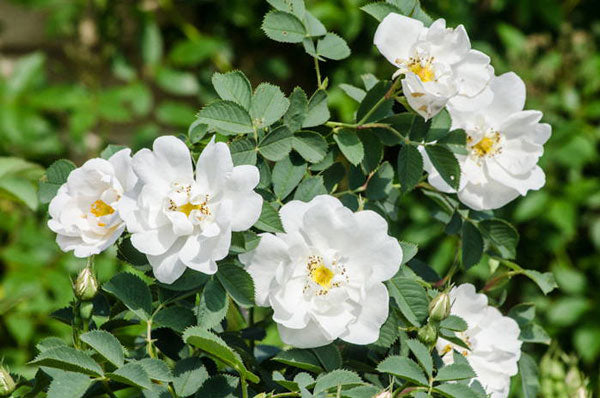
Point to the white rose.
(493, 340)
(504, 143)
(84, 211)
(438, 62)
(324, 275)
(181, 220)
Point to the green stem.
(244, 387)
(149, 347)
(389, 94)
(286, 394)
(318, 70)
(110, 393)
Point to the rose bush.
(266, 202)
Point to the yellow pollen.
(484, 146)
(465, 353)
(425, 73)
(322, 276)
(446, 349)
(189, 207)
(99, 208)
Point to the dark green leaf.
(68, 384)
(303, 359)
(233, 86)
(227, 117)
(422, 354)
(277, 144)
(502, 235)
(318, 110)
(297, 111)
(68, 358)
(335, 379)
(445, 163)
(188, 376)
(350, 145)
(106, 345)
(243, 152)
(455, 371)
(213, 305)
(132, 292)
(238, 283)
(309, 188)
(175, 317)
(269, 220)
(268, 105)
(410, 167)
(311, 146)
(132, 374)
(374, 95)
(404, 368)
(411, 299)
(287, 174)
(472, 245)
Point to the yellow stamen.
(99, 208)
(484, 146)
(447, 349)
(425, 73)
(322, 276)
(189, 207)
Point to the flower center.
(487, 146)
(425, 73)
(322, 276)
(99, 208)
(189, 207)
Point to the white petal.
(473, 73)
(309, 337)
(335, 321)
(121, 162)
(246, 202)
(373, 313)
(153, 242)
(169, 162)
(214, 166)
(396, 35)
(462, 108)
(448, 45)
(535, 179)
(289, 308)
(91, 179)
(421, 99)
(488, 196)
(509, 97)
(168, 267)
(292, 213)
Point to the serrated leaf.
(68, 384)
(335, 379)
(455, 141)
(380, 10)
(314, 27)
(283, 27)
(287, 174)
(303, 359)
(156, 369)
(188, 376)
(132, 292)
(50, 342)
(238, 283)
(269, 220)
(410, 167)
(217, 348)
(374, 95)
(472, 245)
(309, 188)
(268, 105)
(311, 146)
(422, 354)
(212, 308)
(233, 86)
(445, 163)
(455, 371)
(403, 367)
(106, 345)
(297, 111)
(197, 131)
(220, 386)
(318, 110)
(111, 150)
(411, 299)
(56, 175)
(350, 145)
(333, 47)
(277, 144)
(545, 281)
(132, 374)
(528, 370)
(455, 390)
(175, 317)
(440, 126)
(454, 323)
(295, 7)
(329, 356)
(226, 117)
(409, 250)
(357, 94)
(502, 235)
(68, 358)
(373, 152)
(380, 185)
(243, 152)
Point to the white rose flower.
(493, 340)
(84, 211)
(180, 221)
(323, 276)
(438, 62)
(504, 144)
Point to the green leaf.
(132, 374)
(303, 359)
(50, 342)
(297, 111)
(217, 348)
(56, 175)
(445, 163)
(455, 390)
(197, 131)
(329, 356)
(283, 27)
(403, 367)
(233, 86)
(335, 379)
(106, 345)
(380, 10)
(25, 72)
(295, 7)
(422, 354)
(132, 292)
(152, 43)
(287, 174)
(190, 280)
(212, 308)
(68, 358)
(309, 188)
(318, 110)
(277, 144)
(188, 376)
(455, 141)
(269, 220)
(528, 371)
(188, 53)
(220, 386)
(68, 384)
(455, 371)
(227, 117)
(268, 105)
(472, 245)
(350, 145)
(111, 150)
(411, 299)
(177, 82)
(503, 236)
(545, 281)
(373, 152)
(357, 94)
(410, 167)
(310, 145)
(243, 152)
(409, 250)
(238, 283)
(156, 369)
(380, 185)
(374, 95)
(534, 333)
(314, 27)
(454, 323)
(175, 317)
(333, 47)
(440, 126)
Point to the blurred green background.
(78, 74)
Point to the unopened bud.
(86, 285)
(439, 308)
(428, 335)
(7, 384)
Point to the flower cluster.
(504, 142)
